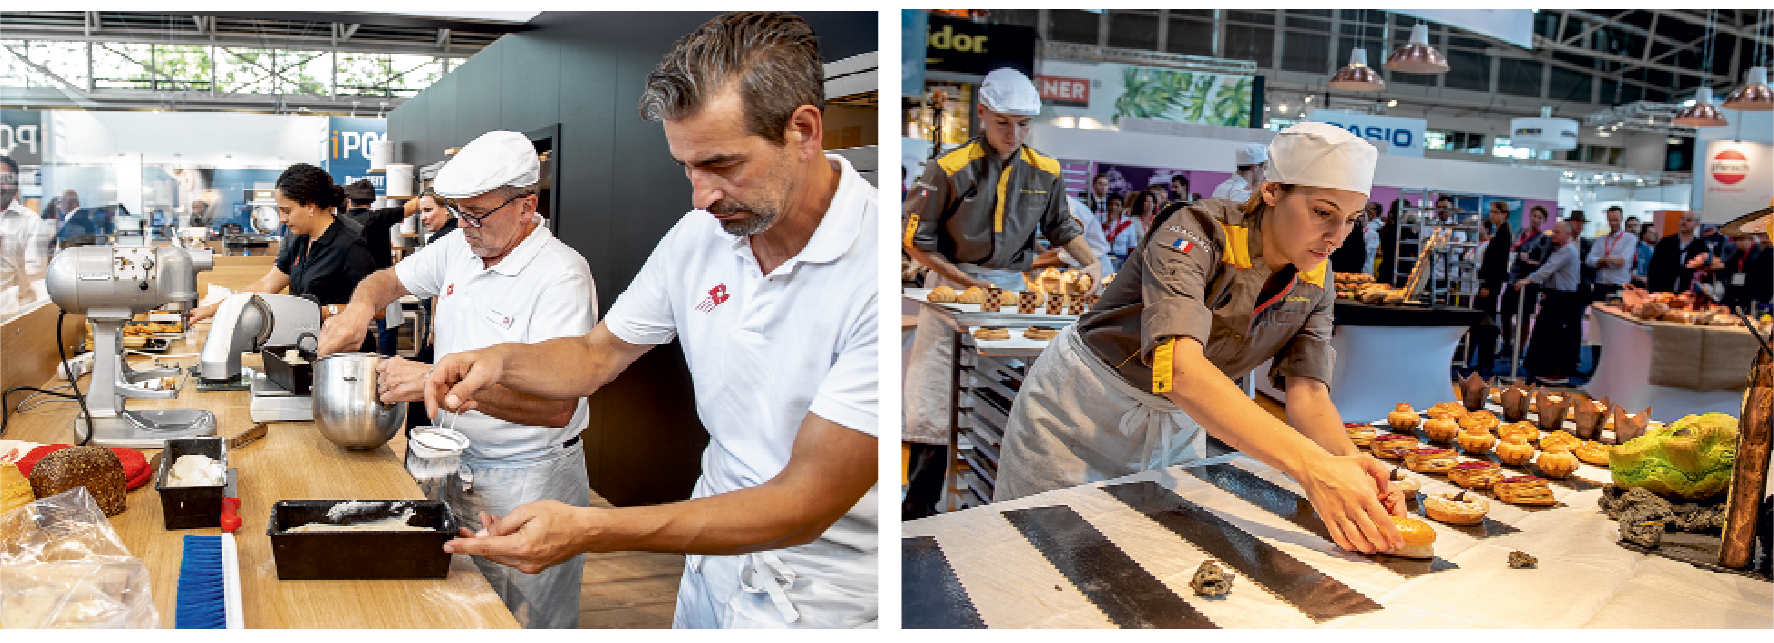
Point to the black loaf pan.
(360, 555)
(190, 507)
(298, 379)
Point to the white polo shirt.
(540, 291)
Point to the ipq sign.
(348, 149)
(21, 135)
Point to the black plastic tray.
(297, 378)
(360, 555)
(190, 507)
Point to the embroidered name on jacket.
(716, 296)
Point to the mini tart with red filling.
(1392, 446)
(1360, 434)
(1478, 474)
(1441, 430)
(1524, 490)
(1463, 508)
(1402, 418)
(1557, 464)
(1515, 453)
(1477, 443)
(1430, 460)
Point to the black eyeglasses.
(474, 221)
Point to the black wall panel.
(620, 191)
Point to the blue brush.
(209, 584)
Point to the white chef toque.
(1008, 91)
(1252, 154)
(1322, 155)
(495, 159)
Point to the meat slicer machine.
(110, 285)
(248, 322)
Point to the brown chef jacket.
(1199, 275)
(973, 208)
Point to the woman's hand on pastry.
(401, 380)
(1345, 492)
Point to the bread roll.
(941, 295)
(973, 295)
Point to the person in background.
(1585, 272)
(1093, 237)
(1387, 270)
(23, 252)
(1347, 257)
(1179, 188)
(1552, 352)
(1370, 234)
(1632, 226)
(1641, 264)
(1677, 258)
(1493, 279)
(1715, 243)
(376, 225)
(1248, 172)
(1097, 197)
(1611, 256)
(1145, 207)
(1748, 273)
(1124, 233)
(1530, 250)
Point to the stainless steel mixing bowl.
(345, 402)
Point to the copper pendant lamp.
(1701, 113)
(1357, 76)
(1416, 56)
(1754, 95)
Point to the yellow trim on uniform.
(1162, 358)
(1041, 161)
(998, 209)
(1315, 276)
(911, 229)
(1237, 245)
(960, 157)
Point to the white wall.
(1747, 126)
(198, 138)
(1188, 153)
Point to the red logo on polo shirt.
(450, 291)
(716, 296)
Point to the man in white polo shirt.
(772, 287)
(499, 277)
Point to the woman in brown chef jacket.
(323, 256)
(1217, 288)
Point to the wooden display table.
(292, 462)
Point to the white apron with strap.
(927, 377)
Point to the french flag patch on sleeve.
(1182, 245)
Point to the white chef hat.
(1008, 91)
(1324, 156)
(495, 159)
(1252, 154)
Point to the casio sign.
(1398, 137)
(948, 39)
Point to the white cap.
(1008, 91)
(1252, 154)
(1322, 155)
(495, 159)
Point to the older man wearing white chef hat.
(771, 286)
(499, 277)
(1218, 287)
(1249, 173)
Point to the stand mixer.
(110, 285)
(247, 322)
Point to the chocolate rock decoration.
(1630, 425)
(1691, 459)
(1210, 580)
(1588, 418)
(1552, 408)
(1521, 559)
(1473, 390)
(1515, 402)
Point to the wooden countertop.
(292, 462)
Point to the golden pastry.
(15, 488)
(1419, 538)
(1524, 490)
(991, 332)
(1441, 429)
(1592, 452)
(1515, 453)
(1430, 460)
(1477, 443)
(1477, 474)
(1560, 440)
(973, 295)
(1463, 508)
(1360, 434)
(1042, 333)
(1402, 418)
(1393, 446)
(1439, 412)
(1557, 464)
(941, 295)
(1521, 430)
(1406, 483)
(1478, 421)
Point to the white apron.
(1076, 421)
(927, 377)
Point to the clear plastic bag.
(63, 566)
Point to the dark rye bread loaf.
(95, 468)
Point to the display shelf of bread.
(1683, 308)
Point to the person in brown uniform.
(1217, 288)
(972, 218)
